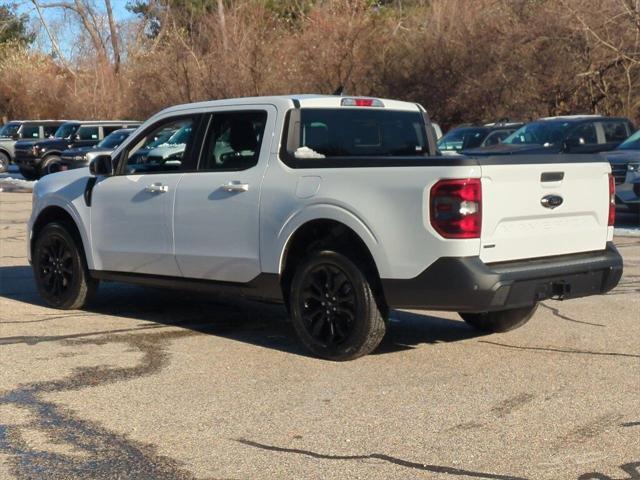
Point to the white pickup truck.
(340, 207)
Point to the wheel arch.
(318, 233)
(58, 214)
(6, 152)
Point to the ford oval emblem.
(551, 201)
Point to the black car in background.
(40, 157)
(625, 167)
(568, 134)
(474, 136)
(81, 156)
(16, 130)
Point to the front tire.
(501, 321)
(50, 164)
(333, 308)
(28, 174)
(60, 271)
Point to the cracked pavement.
(152, 384)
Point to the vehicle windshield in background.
(9, 130)
(545, 133)
(462, 138)
(66, 130)
(631, 143)
(112, 140)
(357, 133)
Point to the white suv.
(339, 207)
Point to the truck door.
(217, 221)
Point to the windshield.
(66, 130)
(545, 133)
(113, 140)
(180, 137)
(462, 138)
(366, 132)
(631, 143)
(9, 130)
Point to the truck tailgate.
(532, 210)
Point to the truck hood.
(72, 152)
(55, 182)
(623, 156)
(53, 143)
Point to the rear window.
(360, 133)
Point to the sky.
(56, 19)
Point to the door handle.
(235, 187)
(156, 188)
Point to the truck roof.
(301, 100)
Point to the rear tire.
(60, 269)
(4, 162)
(333, 308)
(501, 321)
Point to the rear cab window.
(344, 133)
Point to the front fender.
(64, 190)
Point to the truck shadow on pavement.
(260, 324)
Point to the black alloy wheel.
(59, 268)
(333, 308)
(328, 305)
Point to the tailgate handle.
(551, 176)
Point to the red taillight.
(456, 208)
(612, 200)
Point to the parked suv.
(568, 134)
(16, 130)
(81, 156)
(40, 157)
(625, 165)
(473, 136)
(338, 207)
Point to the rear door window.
(615, 131)
(357, 133)
(88, 133)
(30, 131)
(234, 140)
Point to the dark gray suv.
(16, 130)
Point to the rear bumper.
(468, 285)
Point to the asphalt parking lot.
(167, 385)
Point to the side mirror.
(101, 166)
(16, 136)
